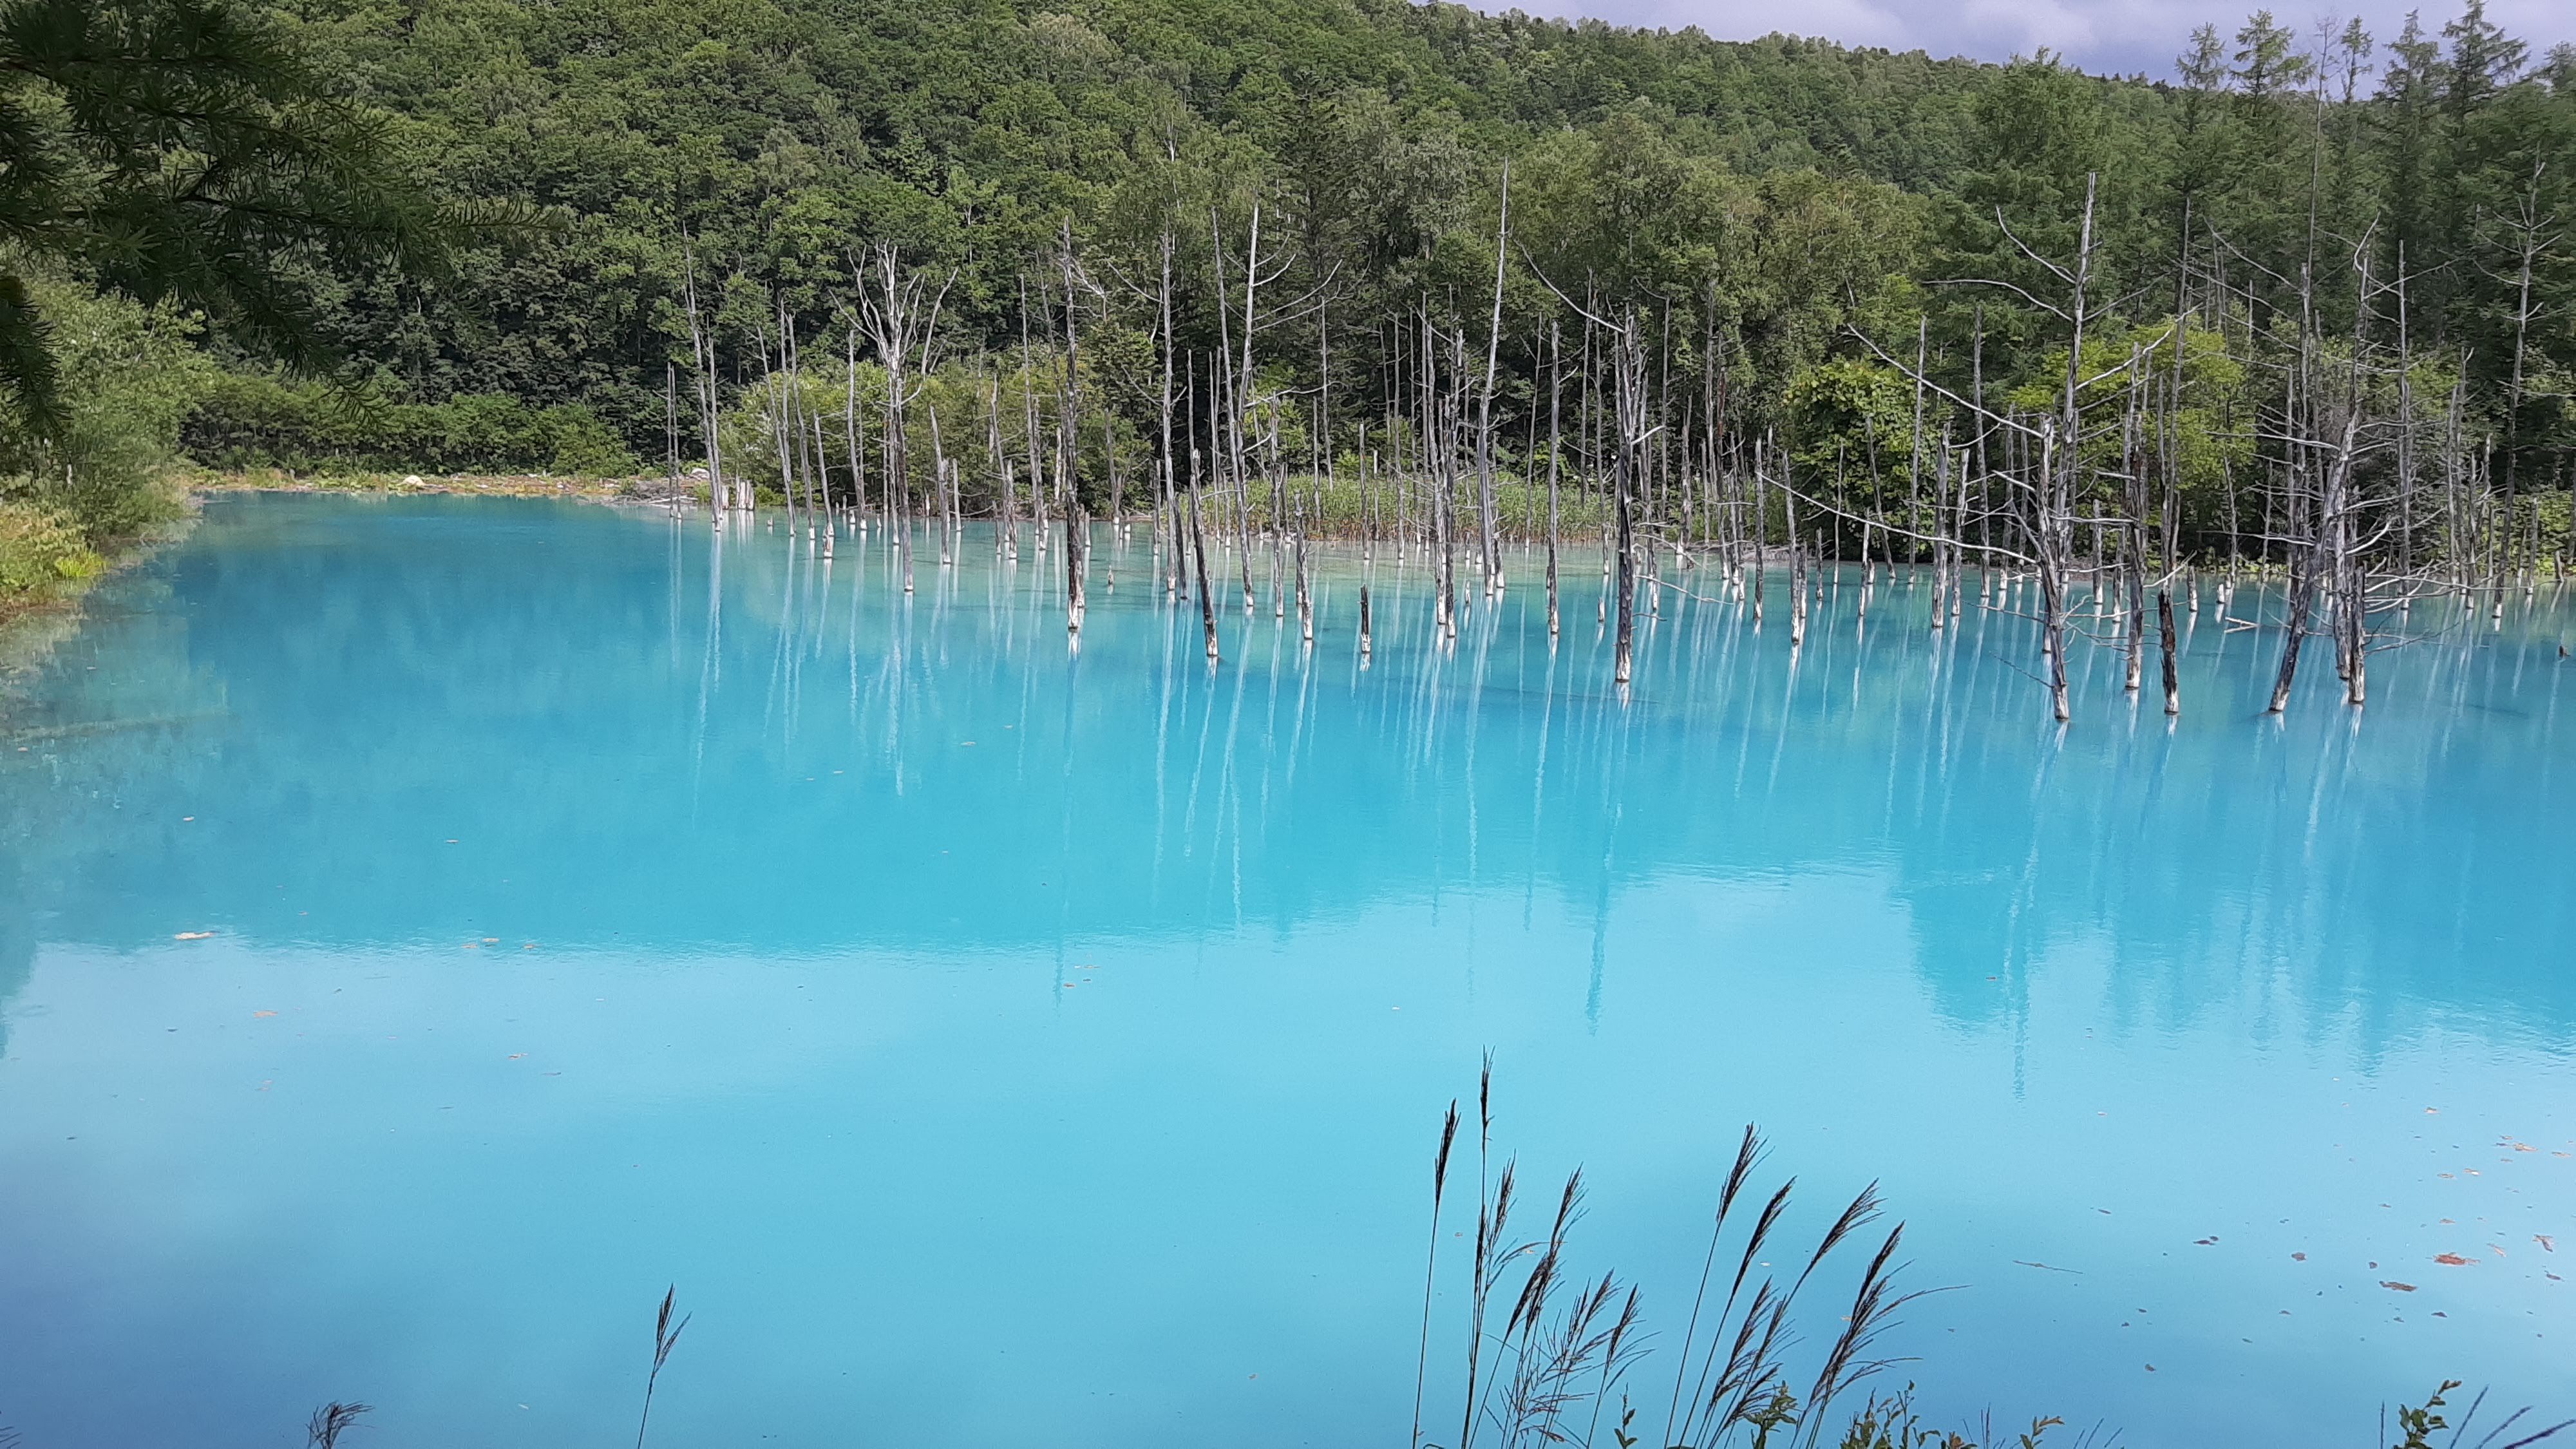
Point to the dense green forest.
(1363, 263)
(167, 167)
(1780, 189)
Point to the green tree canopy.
(187, 150)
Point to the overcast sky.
(2125, 36)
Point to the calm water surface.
(999, 1045)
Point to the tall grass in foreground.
(1569, 1352)
(1559, 1369)
(2418, 1425)
(329, 1422)
(1566, 1347)
(666, 1337)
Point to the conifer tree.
(186, 149)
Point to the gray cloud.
(2124, 36)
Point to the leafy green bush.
(249, 420)
(95, 474)
(41, 548)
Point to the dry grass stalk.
(666, 1336)
(321, 1432)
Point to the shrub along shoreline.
(593, 487)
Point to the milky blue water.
(430, 927)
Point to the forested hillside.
(1774, 191)
(787, 137)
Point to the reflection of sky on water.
(778, 899)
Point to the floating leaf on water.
(2547, 1243)
(2454, 1260)
(2298, 1257)
(2399, 1287)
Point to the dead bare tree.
(898, 307)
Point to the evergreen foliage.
(164, 165)
(1773, 194)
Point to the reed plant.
(329, 1422)
(666, 1337)
(1558, 1369)
(1567, 1347)
(1562, 1361)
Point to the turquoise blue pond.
(430, 927)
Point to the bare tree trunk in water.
(671, 432)
(1163, 405)
(1797, 564)
(702, 349)
(2137, 640)
(2302, 590)
(1487, 524)
(850, 427)
(1077, 522)
(1207, 599)
(2052, 603)
(1305, 592)
(1554, 345)
(1631, 403)
(1077, 549)
(2165, 627)
(2057, 479)
(2311, 558)
(1627, 582)
(1761, 529)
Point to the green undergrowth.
(94, 484)
(259, 420)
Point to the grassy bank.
(89, 483)
(50, 555)
(506, 485)
(1340, 508)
